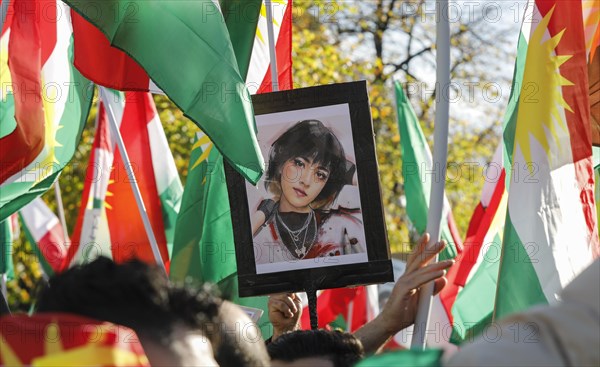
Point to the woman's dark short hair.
(309, 139)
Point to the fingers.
(282, 307)
(422, 254)
(286, 303)
(426, 274)
(439, 284)
(297, 301)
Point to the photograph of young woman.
(307, 170)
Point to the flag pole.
(272, 53)
(61, 210)
(440, 153)
(3, 13)
(4, 309)
(112, 122)
(3, 289)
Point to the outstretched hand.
(285, 310)
(400, 309)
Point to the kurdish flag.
(46, 235)
(468, 297)
(416, 163)
(185, 48)
(108, 202)
(45, 103)
(550, 233)
(203, 247)
(58, 339)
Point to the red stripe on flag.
(475, 222)
(330, 304)
(567, 17)
(474, 244)
(48, 23)
(150, 108)
(283, 51)
(451, 289)
(479, 226)
(98, 61)
(22, 146)
(52, 247)
(127, 233)
(102, 132)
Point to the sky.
(480, 102)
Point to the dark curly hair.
(308, 139)
(132, 294)
(343, 349)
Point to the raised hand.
(285, 310)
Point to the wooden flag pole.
(61, 210)
(272, 53)
(440, 153)
(136, 191)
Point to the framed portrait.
(315, 219)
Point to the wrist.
(388, 325)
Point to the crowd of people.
(183, 325)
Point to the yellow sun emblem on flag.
(541, 94)
(109, 193)
(92, 353)
(206, 145)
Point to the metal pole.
(136, 191)
(440, 153)
(3, 289)
(272, 53)
(61, 210)
(3, 12)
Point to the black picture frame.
(336, 273)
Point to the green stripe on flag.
(6, 241)
(413, 358)
(203, 246)
(472, 311)
(170, 200)
(510, 116)
(185, 48)
(519, 287)
(36, 249)
(229, 290)
(416, 156)
(241, 19)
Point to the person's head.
(238, 341)
(317, 348)
(307, 165)
(169, 320)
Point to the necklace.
(296, 234)
(298, 237)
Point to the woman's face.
(301, 183)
